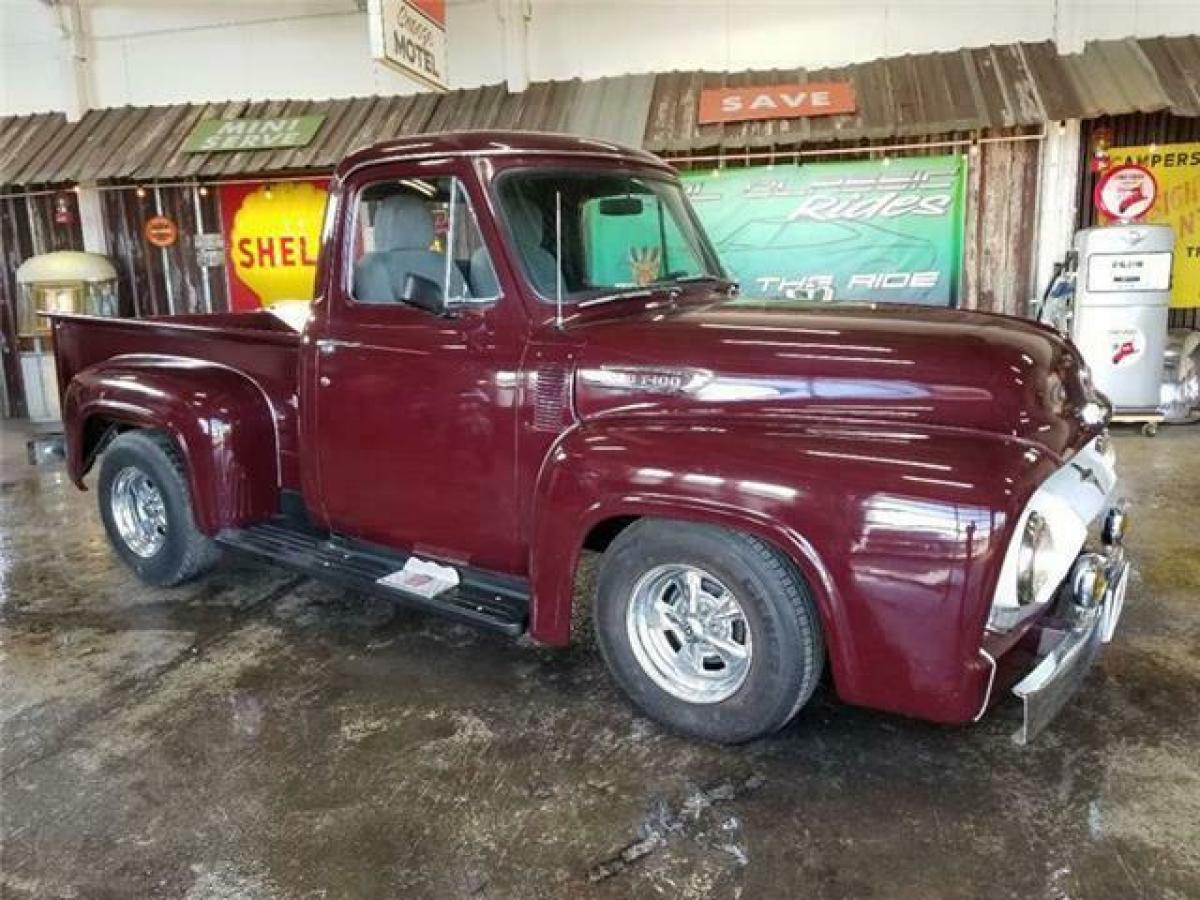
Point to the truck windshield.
(618, 231)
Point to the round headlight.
(1032, 558)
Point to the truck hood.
(896, 364)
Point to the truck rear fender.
(221, 421)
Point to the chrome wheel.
(689, 633)
(138, 511)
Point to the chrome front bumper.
(1069, 642)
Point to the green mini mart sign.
(866, 231)
(222, 135)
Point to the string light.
(267, 192)
(141, 191)
(202, 190)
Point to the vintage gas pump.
(1119, 321)
(66, 281)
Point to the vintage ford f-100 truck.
(523, 346)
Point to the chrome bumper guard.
(1067, 648)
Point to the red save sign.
(776, 101)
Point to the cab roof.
(494, 143)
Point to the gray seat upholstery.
(483, 276)
(527, 232)
(403, 234)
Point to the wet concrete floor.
(259, 735)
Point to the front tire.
(711, 632)
(147, 510)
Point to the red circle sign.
(161, 231)
(1126, 192)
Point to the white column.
(1073, 21)
(515, 16)
(1058, 190)
(78, 66)
(91, 219)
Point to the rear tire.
(147, 510)
(711, 632)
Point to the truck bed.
(257, 344)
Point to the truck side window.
(423, 227)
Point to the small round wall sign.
(161, 231)
(1126, 192)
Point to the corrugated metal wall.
(27, 228)
(154, 281)
(1132, 131)
(1001, 228)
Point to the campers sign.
(779, 101)
(221, 135)
(410, 35)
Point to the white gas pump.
(1119, 322)
(66, 281)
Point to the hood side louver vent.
(551, 409)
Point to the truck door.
(415, 412)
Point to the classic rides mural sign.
(867, 230)
(272, 235)
(1176, 171)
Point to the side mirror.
(423, 293)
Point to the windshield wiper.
(631, 294)
(692, 279)
(651, 289)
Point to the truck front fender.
(899, 533)
(220, 420)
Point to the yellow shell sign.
(273, 235)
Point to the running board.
(483, 599)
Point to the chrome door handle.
(327, 345)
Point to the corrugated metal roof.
(931, 93)
(928, 94)
(132, 143)
(612, 109)
(1146, 75)
(1004, 86)
(26, 138)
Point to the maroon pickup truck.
(523, 346)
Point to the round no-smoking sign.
(1126, 192)
(161, 231)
